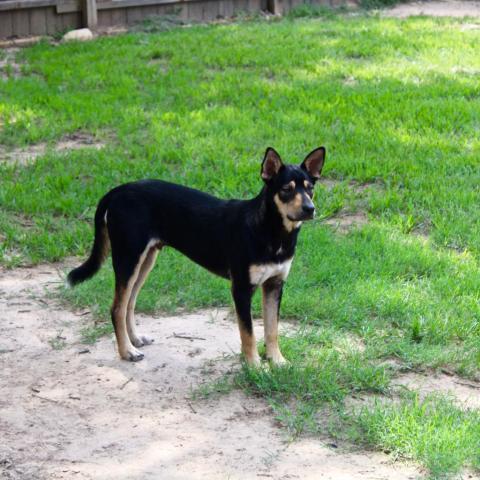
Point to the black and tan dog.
(250, 242)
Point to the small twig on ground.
(467, 384)
(186, 337)
(247, 411)
(46, 398)
(191, 407)
(126, 383)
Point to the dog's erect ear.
(271, 165)
(313, 162)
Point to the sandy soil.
(8, 63)
(447, 8)
(465, 392)
(26, 155)
(71, 411)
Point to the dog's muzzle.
(307, 213)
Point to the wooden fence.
(20, 18)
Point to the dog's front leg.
(242, 296)
(272, 296)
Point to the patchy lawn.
(395, 102)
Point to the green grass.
(433, 430)
(395, 102)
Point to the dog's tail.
(100, 249)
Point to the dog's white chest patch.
(260, 273)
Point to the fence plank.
(119, 16)
(90, 17)
(228, 8)
(182, 10)
(6, 25)
(48, 16)
(240, 6)
(21, 23)
(25, 4)
(134, 15)
(195, 11)
(58, 21)
(69, 6)
(254, 5)
(210, 10)
(50, 20)
(105, 18)
(38, 21)
(71, 21)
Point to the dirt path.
(71, 415)
(445, 8)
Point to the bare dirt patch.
(356, 187)
(26, 155)
(354, 216)
(447, 8)
(68, 410)
(465, 392)
(8, 65)
(345, 221)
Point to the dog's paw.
(146, 339)
(253, 360)
(133, 355)
(142, 340)
(277, 359)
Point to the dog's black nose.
(308, 209)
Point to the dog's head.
(290, 187)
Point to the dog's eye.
(288, 188)
(309, 189)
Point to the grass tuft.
(433, 431)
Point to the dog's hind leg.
(137, 339)
(127, 268)
(119, 313)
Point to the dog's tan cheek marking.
(283, 210)
(282, 207)
(297, 202)
(296, 209)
